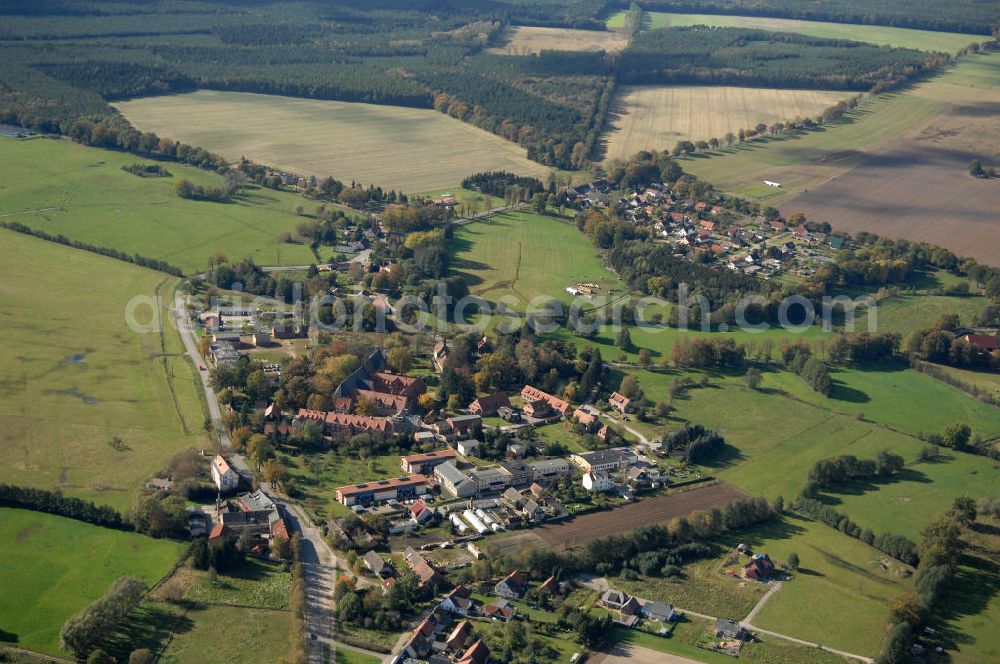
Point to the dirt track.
(660, 509)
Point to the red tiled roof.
(392, 482)
(982, 341)
(344, 421)
(529, 393)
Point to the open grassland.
(76, 375)
(408, 149)
(969, 615)
(82, 193)
(896, 397)
(255, 583)
(770, 456)
(229, 635)
(54, 566)
(924, 40)
(521, 40)
(855, 581)
(526, 256)
(657, 116)
(660, 340)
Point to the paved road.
(191, 349)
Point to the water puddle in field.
(89, 400)
(73, 360)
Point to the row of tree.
(896, 546)
(53, 502)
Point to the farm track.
(661, 509)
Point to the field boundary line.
(168, 372)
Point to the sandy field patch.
(526, 40)
(408, 149)
(657, 116)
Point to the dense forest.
(738, 56)
(972, 16)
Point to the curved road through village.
(319, 562)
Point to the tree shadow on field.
(150, 626)
(843, 392)
(728, 457)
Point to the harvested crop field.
(657, 116)
(408, 149)
(660, 509)
(526, 40)
(918, 187)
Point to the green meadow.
(848, 575)
(526, 256)
(924, 40)
(76, 375)
(770, 454)
(82, 193)
(54, 566)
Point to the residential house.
(585, 418)
(461, 425)
(458, 601)
(760, 567)
(478, 653)
(620, 602)
(426, 462)
(512, 586)
(426, 574)
(488, 406)
(454, 481)
(420, 513)
(533, 511)
(531, 395)
(458, 637)
(509, 414)
(500, 609)
(598, 480)
(517, 451)
(513, 498)
(440, 354)
(729, 629)
(982, 342)
(549, 586)
(658, 611)
(396, 488)
(468, 447)
(225, 478)
(377, 565)
(620, 402)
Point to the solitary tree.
(793, 561)
(753, 378)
